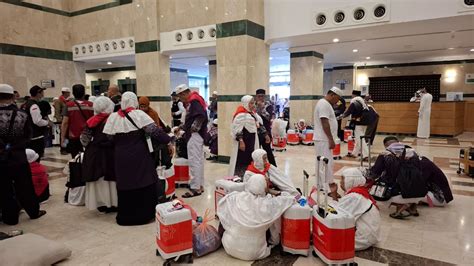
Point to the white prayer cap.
(181, 88)
(337, 91)
(7, 89)
(65, 89)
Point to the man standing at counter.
(424, 114)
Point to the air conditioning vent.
(76, 50)
(189, 35)
(212, 32)
(178, 37)
(379, 11)
(106, 46)
(469, 2)
(339, 17)
(91, 49)
(122, 44)
(359, 14)
(114, 45)
(97, 47)
(131, 43)
(321, 19)
(201, 34)
(83, 49)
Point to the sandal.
(399, 215)
(192, 193)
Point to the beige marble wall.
(75, 5)
(182, 14)
(231, 10)
(212, 79)
(30, 27)
(24, 72)
(238, 74)
(153, 78)
(63, 5)
(306, 78)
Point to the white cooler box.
(296, 229)
(224, 187)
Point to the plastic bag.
(206, 239)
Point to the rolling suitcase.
(174, 232)
(292, 137)
(296, 226)
(333, 230)
(181, 172)
(224, 187)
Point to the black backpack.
(410, 178)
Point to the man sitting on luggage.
(276, 178)
(360, 204)
(246, 216)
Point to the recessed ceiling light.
(109, 63)
(100, 69)
(364, 40)
(271, 58)
(355, 51)
(320, 61)
(171, 57)
(472, 50)
(335, 40)
(138, 5)
(451, 48)
(207, 8)
(279, 49)
(368, 57)
(207, 64)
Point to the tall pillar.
(306, 80)
(242, 60)
(212, 76)
(152, 68)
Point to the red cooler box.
(296, 230)
(308, 137)
(292, 137)
(334, 237)
(336, 152)
(347, 134)
(181, 171)
(224, 187)
(350, 145)
(170, 187)
(279, 144)
(174, 231)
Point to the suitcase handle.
(322, 186)
(305, 183)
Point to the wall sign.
(45, 83)
(470, 78)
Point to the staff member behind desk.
(177, 110)
(75, 117)
(39, 125)
(16, 185)
(265, 111)
(325, 131)
(195, 128)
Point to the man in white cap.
(325, 133)
(16, 185)
(195, 128)
(59, 106)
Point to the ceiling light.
(207, 8)
(207, 64)
(279, 49)
(109, 63)
(335, 40)
(472, 50)
(100, 69)
(138, 5)
(451, 48)
(368, 57)
(171, 57)
(355, 51)
(271, 58)
(319, 62)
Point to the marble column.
(306, 81)
(152, 67)
(242, 60)
(212, 76)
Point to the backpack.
(410, 178)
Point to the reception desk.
(447, 118)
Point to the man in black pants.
(16, 185)
(265, 110)
(39, 124)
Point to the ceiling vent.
(102, 49)
(465, 6)
(195, 35)
(376, 11)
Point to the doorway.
(127, 84)
(99, 86)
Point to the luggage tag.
(148, 142)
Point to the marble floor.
(440, 236)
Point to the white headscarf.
(246, 102)
(92, 99)
(256, 185)
(129, 99)
(353, 178)
(103, 104)
(257, 157)
(31, 155)
(245, 120)
(118, 124)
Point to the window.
(201, 83)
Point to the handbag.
(75, 173)
(381, 191)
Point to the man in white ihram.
(325, 132)
(424, 114)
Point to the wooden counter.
(447, 118)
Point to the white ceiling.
(420, 41)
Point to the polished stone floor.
(440, 236)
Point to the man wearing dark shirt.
(265, 111)
(195, 127)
